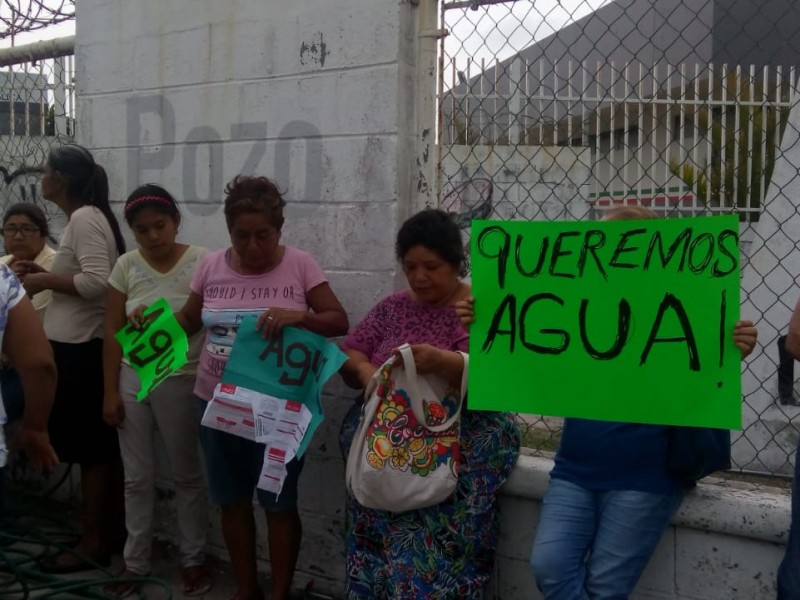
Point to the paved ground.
(33, 523)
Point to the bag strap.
(416, 397)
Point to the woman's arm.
(89, 246)
(357, 370)
(36, 283)
(465, 311)
(191, 315)
(113, 409)
(26, 345)
(328, 319)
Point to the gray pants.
(171, 410)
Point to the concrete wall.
(725, 543)
(320, 95)
(314, 94)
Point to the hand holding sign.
(156, 349)
(273, 320)
(293, 365)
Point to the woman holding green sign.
(283, 286)
(159, 268)
(90, 244)
(611, 494)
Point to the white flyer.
(278, 424)
(231, 410)
(281, 425)
(273, 471)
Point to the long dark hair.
(87, 183)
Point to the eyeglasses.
(25, 230)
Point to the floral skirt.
(441, 552)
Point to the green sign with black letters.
(156, 349)
(621, 321)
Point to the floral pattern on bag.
(396, 440)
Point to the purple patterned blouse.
(399, 319)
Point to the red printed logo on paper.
(228, 388)
(293, 406)
(277, 454)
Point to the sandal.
(122, 589)
(196, 580)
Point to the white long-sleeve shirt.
(88, 252)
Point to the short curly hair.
(249, 194)
(438, 232)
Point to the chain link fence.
(561, 109)
(37, 97)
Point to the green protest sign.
(620, 321)
(157, 349)
(291, 366)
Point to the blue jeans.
(594, 545)
(789, 571)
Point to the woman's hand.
(137, 318)
(36, 446)
(465, 310)
(113, 410)
(273, 320)
(427, 358)
(35, 282)
(446, 364)
(27, 267)
(745, 336)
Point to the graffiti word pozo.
(620, 321)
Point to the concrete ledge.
(733, 508)
(725, 542)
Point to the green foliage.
(744, 140)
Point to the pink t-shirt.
(228, 297)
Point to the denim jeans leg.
(789, 571)
(566, 529)
(630, 525)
